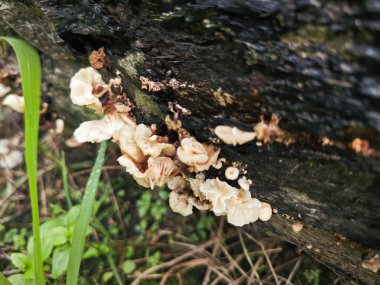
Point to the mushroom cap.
(244, 210)
(126, 141)
(179, 203)
(82, 85)
(218, 192)
(233, 135)
(297, 227)
(99, 130)
(265, 212)
(150, 144)
(160, 171)
(192, 152)
(15, 102)
(244, 183)
(177, 183)
(231, 173)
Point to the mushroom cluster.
(153, 160)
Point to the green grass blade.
(64, 180)
(4, 280)
(79, 236)
(30, 69)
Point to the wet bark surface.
(315, 63)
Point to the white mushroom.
(265, 212)
(231, 173)
(177, 183)
(179, 203)
(151, 144)
(218, 192)
(4, 90)
(10, 156)
(99, 130)
(244, 183)
(233, 135)
(297, 227)
(243, 209)
(15, 102)
(160, 171)
(133, 168)
(84, 87)
(199, 156)
(127, 143)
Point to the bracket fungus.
(154, 160)
(196, 155)
(233, 135)
(86, 88)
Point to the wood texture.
(315, 63)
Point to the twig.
(254, 272)
(215, 250)
(171, 262)
(190, 263)
(291, 275)
(266, 257)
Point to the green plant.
(56, 236)
(312, 276)
(151, 210)
(86, 208)
(30, 69)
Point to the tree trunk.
(314, 63)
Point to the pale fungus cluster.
(180, 162)
(266, 132)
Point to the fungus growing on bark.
(233, 135)
(151, 144)
(86, 88)
(127, 143)
(269, 132)
(150, 85)
(174, 125)
(177, 183)
(232, 173)
(297, 227)
(244, 183)
(160, 171)
(179, 203)
(98, 59)
(218, 192)
(360, 146)
(242, 209)
(15, 102)
(196, 155)
(99, 130)
(265, 212)
(153, 161)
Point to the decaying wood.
(315, 63)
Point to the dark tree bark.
(315, 63)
